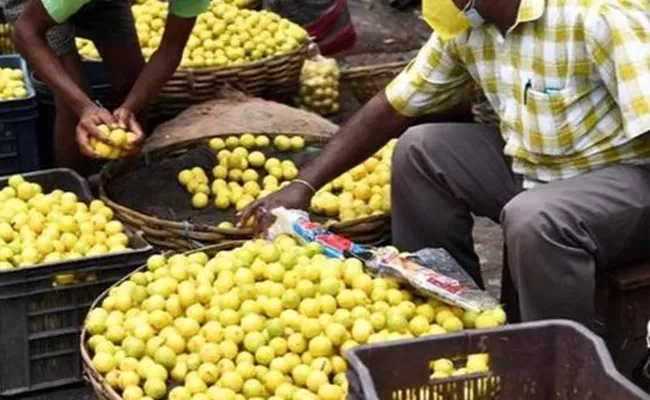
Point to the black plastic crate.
(40, 320)
(18, 138)
(540, 360)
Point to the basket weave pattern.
(365, 82)
(184, 235)
(275, 78)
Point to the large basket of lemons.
(186, 195)
(256, 51)
(261, 320)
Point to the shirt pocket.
(553, 120)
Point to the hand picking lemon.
(119, 139)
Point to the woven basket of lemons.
(255, 51)
(187, 195)
(106, 386)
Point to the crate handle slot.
(69, 279)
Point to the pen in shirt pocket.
(528, 85)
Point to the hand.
(126, 119)
(91, 118)
(293, 196)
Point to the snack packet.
(432, 272)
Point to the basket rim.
(96, 380)
(117, 167)
(180, 71)
(374, 67)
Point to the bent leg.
(442, 174)
(559, 234)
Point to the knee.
(528, 217)
(430, 139)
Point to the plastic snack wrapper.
(432, 272)
(319, 84)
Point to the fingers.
(264, 223)
(248, 211)
(122, 117)
(135, 127)
(103, 116)
(83, 142)
(91, 129)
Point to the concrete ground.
(382, 31)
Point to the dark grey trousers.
(557, 235)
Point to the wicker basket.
(366, 81)
(184, 235)
(274, 78)
(96, 381)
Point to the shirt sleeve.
(433, 82)
(188, 8)
(61, 10)
(617, 37)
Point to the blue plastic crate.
(18, 137)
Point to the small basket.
(540, 360)
(366, 81)
(181, 235)
(102, 390)
(276, 78)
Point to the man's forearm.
(367, 132)
(33, 46)
(162, 64)
(153, 77)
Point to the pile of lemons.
(119, 142)
(243, 174)
(12, 84)
(37, 227)
(474, 364)
(267, 320)
(319, 86)
(224, 35)
(361, 192)
(237, 177)
(6, 46)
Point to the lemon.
(217, 144)
(103, 362)
(297, 143)
(200, 200)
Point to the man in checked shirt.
(567, 173)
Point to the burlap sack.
(235, 112)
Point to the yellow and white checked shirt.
(570, 82)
